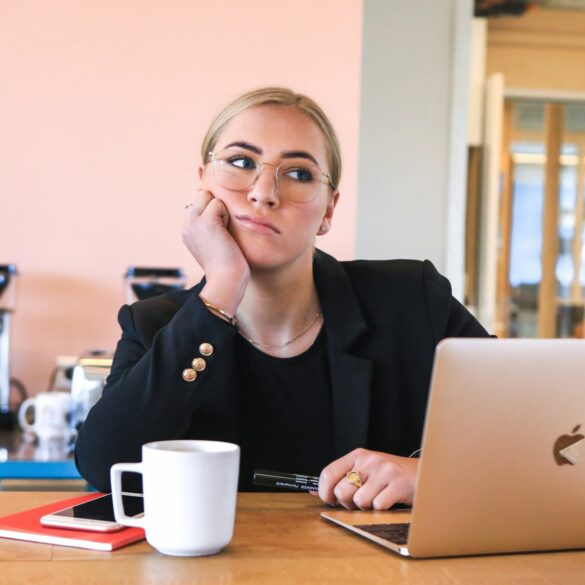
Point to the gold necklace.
(278, 345)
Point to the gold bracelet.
(230, 318)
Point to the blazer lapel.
(350, 374)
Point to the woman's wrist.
(225, 294)
(225, 291)
(218, 311)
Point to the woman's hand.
(386, 480)
(206, 236)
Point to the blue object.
(39, 470)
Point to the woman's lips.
(257, 224)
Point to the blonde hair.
(280, 96)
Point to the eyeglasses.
(297, 179)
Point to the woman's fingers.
(216, 210)
(363, 498)
(201, 200)
(394, 493)
(332, 475)
(384, 480)
(206, 206)
(345, 493)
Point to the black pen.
(291, 481)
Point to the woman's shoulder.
(170, 301)
(401, 288)
(398, 275)
(413, 279)
(149, 315)
(405, 295)
(390, 270)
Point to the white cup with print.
(51, 416)
(190, 490)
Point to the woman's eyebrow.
(246, 145)
(299, 154)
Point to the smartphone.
(96, 515)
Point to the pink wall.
(103, 106)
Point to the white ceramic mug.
(190, 490)
(52, 413)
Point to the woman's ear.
(200, 171)
(328, 217)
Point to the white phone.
(95, 515)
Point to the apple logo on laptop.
(567, 448)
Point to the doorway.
(541, 243)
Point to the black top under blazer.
(383, 320)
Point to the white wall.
(413, 132)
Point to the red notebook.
(27, 526)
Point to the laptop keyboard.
(396, 533)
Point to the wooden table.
(279, 539)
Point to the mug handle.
(116, 480)
(24, 424)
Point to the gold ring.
(353, 477)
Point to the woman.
(311, 365)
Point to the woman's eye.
(242, 162)
(302, 175)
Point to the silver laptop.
(503, 456)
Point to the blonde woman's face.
(271, 230)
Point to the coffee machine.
(8, 278)
(144, 282)
(87, 382)
(93, 367)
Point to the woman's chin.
(262, 259)
(267, 254)
(258, 254)
(259, 261)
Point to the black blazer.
(383, 320)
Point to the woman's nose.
(264, 191)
